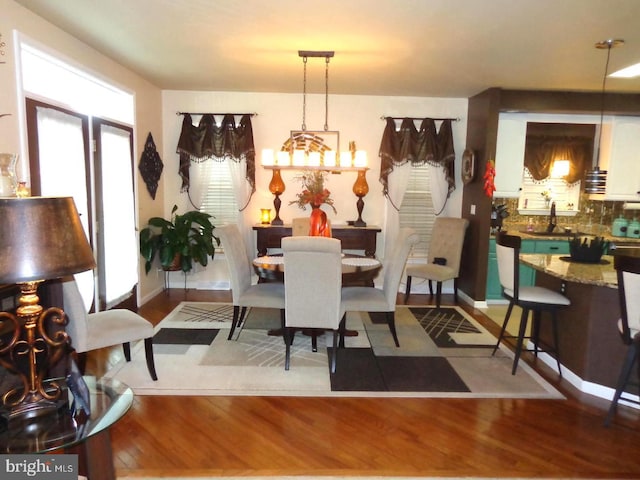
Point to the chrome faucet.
(552, 218)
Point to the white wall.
(356, 117)
(15, 18)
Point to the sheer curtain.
(63, 173)
(406, 146)
(231, 142)
(118, 215)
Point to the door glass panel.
(61, 151)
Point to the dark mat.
(358, 369)
(420, 374)
(185, 336)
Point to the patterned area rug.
(443, 353)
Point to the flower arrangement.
(313, 190)
(547, 195)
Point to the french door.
(91, 160)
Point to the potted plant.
(178, 242)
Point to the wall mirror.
(556, 157)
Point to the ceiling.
(433, 48)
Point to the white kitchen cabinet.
(512, 133)
(620, 156)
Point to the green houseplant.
(178, 242)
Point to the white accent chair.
(91, 331)
(369, 299)
(628, 271)
(447, 240)
(313, 284)
(244, 294)
(530, 299)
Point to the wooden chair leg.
(438, 293)
(455, 290)
(127, 351)
(234, 321)
(148, 351)
(504, 328)
(430, 289)
(407, 291)
(523, 327)
(391, 321)
(632, 354)
(343, 329)
(556, 344)
(288, 334)
(314, 340)
(334, 352)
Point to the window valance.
(417, 146)
(208, 141)
(542, 151)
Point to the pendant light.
(596, 179)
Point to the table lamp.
(41, 238)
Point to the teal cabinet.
(527, 274)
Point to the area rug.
(443, 353)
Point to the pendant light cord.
(326, 94)
(604, 84)
(304, 95)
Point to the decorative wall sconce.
(265, 216)
(45, 239)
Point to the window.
(417, 210)
(218, 199)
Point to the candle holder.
(265, 216)
(276, 186)
(360, 189)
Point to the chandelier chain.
(304, 95)
(326, 94)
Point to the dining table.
(357, 270)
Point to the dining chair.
(312, 285)
(91, 331)
(243, 293)
(628, 272)
(531, 299)
(372, 299)
(443, 259)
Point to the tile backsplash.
(593, 216)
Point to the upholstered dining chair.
(91, 331)
(443, 259)
(628, 272)
(371, 299)
(243, 293)
(312, 283)
(530, 299)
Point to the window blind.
(417, 210)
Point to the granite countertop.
(600, 274)
(559, 234)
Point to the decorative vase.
(8, 182)
(318, 224)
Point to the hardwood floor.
(276, 436)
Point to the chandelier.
(315, 149)
(596, 179)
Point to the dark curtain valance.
(207, 141)
(426, 145)
(542, 151)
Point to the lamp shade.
(41, 238)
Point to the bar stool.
(628, 271)
(534, 299)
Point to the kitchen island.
(591, 351)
